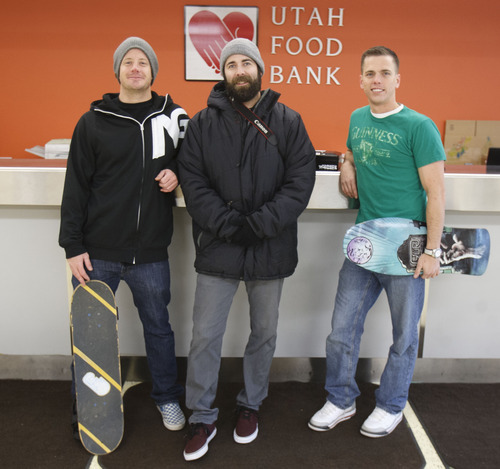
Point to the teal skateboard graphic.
(393, 245)
(94, 331)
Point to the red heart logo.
(210, 34)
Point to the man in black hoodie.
(247, 170)
(116, 213)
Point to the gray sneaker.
(329, 416)
(172, 415)
(380, 423)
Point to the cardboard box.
(468, 141)
(489, 129)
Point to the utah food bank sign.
(208, 28)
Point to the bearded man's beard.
(244, 94)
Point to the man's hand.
(348, 183)
(245, 235)
(427, 267)
(78, 264)
(167, 180)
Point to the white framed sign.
(207, 29)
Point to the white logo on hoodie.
(175, 127)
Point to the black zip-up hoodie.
(112, 207)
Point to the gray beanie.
(134, 43)
(244, 47)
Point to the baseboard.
(437, 370)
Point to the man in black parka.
(245, 181)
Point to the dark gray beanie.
(134, 43)
(244, 47)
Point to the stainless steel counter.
(31, 185)
(40, 182)
(477, 191)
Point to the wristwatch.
(436, 253)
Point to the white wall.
(463, 318)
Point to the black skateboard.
(96, 358)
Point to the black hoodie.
(112, 206)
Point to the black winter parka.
(228, 169)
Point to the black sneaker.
(197, 439)
(247, 425)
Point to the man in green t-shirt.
(395, 166)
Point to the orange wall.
(57, 58)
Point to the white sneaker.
(380, 423)
(329, 416)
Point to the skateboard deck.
(94, 331)
(393, 245)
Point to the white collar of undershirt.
(390, 113)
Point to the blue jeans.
(150, 287)
(212, 303)
(358, 289)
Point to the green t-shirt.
(387, 153)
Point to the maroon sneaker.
(197, 439)
(247, 426)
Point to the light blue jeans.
(213, 299)
(358, 289)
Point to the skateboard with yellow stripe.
(94, 331)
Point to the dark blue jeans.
(150, 287)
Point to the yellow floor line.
(429, 453)
(94, 463)
(129, 384)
